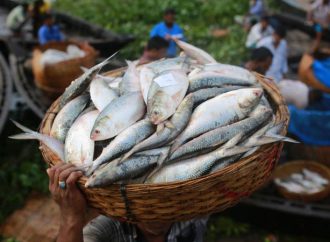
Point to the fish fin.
(250, 152)
(160, 128)
(235, 150)
(233, 141)
(169, 125)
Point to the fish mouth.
(258, 92)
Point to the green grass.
(197, 18)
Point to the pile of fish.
(305, 182)
(169, 120)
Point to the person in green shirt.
(17, 17)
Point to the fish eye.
(97, 131)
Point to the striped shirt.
(104, 229)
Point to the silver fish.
(231, 70)
(198, 54)
(101, 93)
(214, 79)
(124, 141)
(219, 111)
(113, 171)
(146, 76)
(131, 79)
(118, 115)
(222, 134)
(67, 115)
(79, 148)
(165, 94)
(179, 120)
(196, 166)
(220, 164)
(79, 85)
(53, 144)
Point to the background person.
(155, 49)
(49, 31)
(168, 29)
(260, 60)
(278, 46)
(259, 31)
(17, 17)
(74, 216)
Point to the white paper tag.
(166, 80)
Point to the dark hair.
(264, 18)
(261, 54)
(170, 11)
(157, 43)
(280, 30)
(47, 16)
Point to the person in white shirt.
(258, 32)
(278, 46)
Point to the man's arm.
(71, 201)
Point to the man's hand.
(71, 201)
(168, 37)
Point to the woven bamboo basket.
(54, 78)
(183, 200)
(289, 168)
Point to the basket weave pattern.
(184, 200)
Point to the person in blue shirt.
(49, 31)
(168, 30)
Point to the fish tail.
(282, 138)
(23, 128)
(84, 69)
(170, 125)
(275, 129)
(23, 136)
(106, 61)
(29, 134)
(160, 128)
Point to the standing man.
(168, 29)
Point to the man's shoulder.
(265, 41)
(43, 29)
(159, 25)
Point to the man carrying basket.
(74, 217)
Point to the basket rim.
(282, 115)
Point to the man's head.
(261, 59)
(48, 19)
(156, 48)
(279, 33)
(264, 22)
(169, 16)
